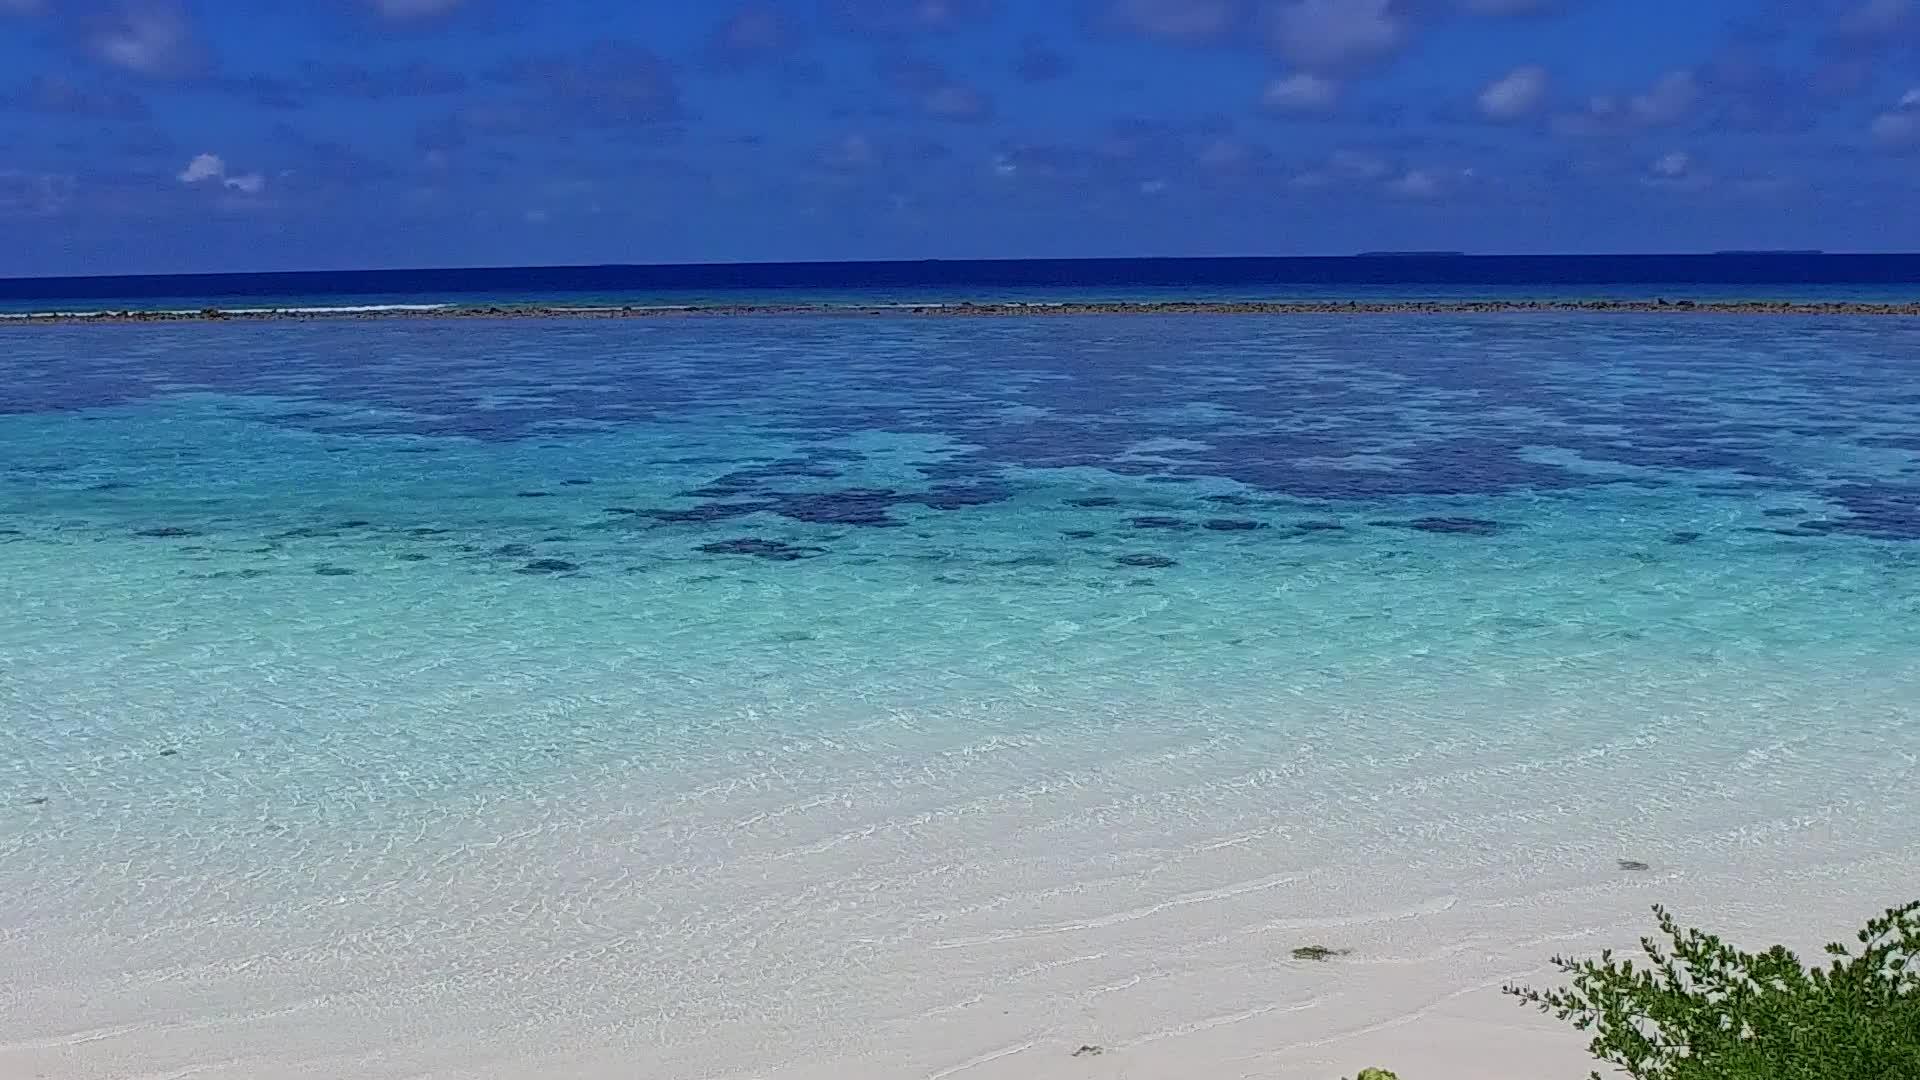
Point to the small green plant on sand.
(1699, 1009)
(1318, 952)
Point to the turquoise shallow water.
(667, 643)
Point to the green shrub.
(1702, 1010)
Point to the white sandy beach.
(770, 925)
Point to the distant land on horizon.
(1370, 268)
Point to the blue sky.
(185, 135)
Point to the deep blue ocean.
(1743, 274)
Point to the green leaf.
(1696, 1008)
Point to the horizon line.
(998, 260)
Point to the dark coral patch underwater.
(774, 550)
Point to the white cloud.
(1304, 92)
(1326, 34)
(1225, 155)
(1599, 114)
(1900, 125)
(1675, 164)
(1667, 100)
(1896, 128)
(206, 167)
(1515, 94)
(1414, 184)
(203, 167)
(1676, 170)
(33, 194)
(146, 38)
